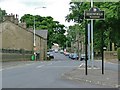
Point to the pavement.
(5, 65)
(112, 61)
(108, 79)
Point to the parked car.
(74, 56)
(82, 57)
(51, 50)
(50, 55)
(56, 50)
(61, 51)
(70, 55)
(67, 54)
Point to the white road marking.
(81, 65)
(28, 64)
(40, 66)
(49, 64)
(1, 70)
(62, 66)
(89, 68)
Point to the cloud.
(58, 9)
(33, 3)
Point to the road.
(43, 74)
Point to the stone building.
(17, 40)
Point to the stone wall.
(110, 55)
(15, 36)
(15, 57)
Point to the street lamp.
(34, 31)
(34, 23)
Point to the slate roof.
(42, 33)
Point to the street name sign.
(94, 13)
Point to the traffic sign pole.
(92, 54)
(86, 45)
(89, 44)
(93, 14)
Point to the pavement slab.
(109, 78)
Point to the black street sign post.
(86, 46)
(93, 14)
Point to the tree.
(55, 29)
(110, 25)
(2, 14)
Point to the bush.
(118, 53)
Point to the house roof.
(42, 33)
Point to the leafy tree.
(2, 14)
(55, 29)
(110, 25)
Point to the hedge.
(118, 53)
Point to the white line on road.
(89, 68)
(40, 66)
(1, 70)
(81, 65)
(49, 64)
(62, 66)
(28, 64)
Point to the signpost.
(93, 14)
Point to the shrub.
(118, 53)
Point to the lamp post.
(34, 32)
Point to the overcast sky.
(58, 9)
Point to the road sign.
(94, 13)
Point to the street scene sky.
(58, 9)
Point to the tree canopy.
(55, 29)
(110, 25)
(2, 14)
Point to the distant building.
(17, 40)
(55, 47)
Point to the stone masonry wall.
(15, 37)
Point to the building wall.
(17, 37)
(42, 49)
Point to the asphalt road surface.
(43, 74)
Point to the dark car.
(61, 51)
(70, 55)
(82, 57)
(74, 56)
(50, 55)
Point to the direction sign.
(94, 13)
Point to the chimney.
(16, 21)
(9, 17)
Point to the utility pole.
(34, 43)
